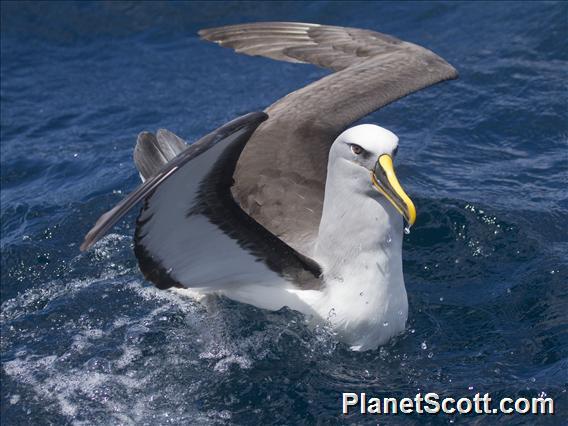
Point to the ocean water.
(85, 340)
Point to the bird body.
(363, 297)
(361, 254)
(286, 207)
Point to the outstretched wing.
(191, 233)
(280, 176)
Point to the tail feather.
(152, 152)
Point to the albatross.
(290, 206)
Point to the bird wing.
(280, 176)
(190, 232)
(152, 152)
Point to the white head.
(374, 141)
(362, 157)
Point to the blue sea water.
(85, 340)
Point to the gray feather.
(152, 152)
(281, 173)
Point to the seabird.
(290, 207)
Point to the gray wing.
(280, 176)
(190, 232)
(152, 152)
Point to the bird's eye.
(395, 152)
(356, 149)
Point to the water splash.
(331, 314)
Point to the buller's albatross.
(286, 207)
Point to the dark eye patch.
(356, 149)
(395, 152)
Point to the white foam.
(129, 379)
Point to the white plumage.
(359, 247)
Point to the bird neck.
(359, 247)
(359, 231)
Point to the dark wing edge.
(111, 217)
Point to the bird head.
(368, 151)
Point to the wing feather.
(191, 233)
(287, 155)
(148, 140)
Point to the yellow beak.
(385, 181)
